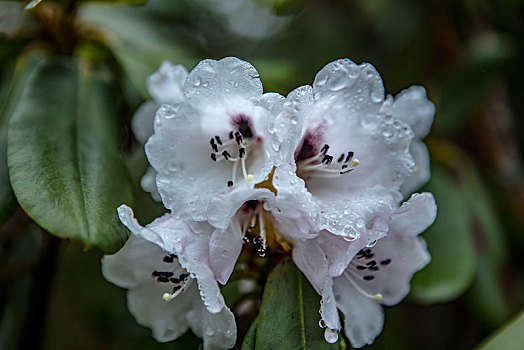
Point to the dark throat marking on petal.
(235, 147)
(243, 124)
(314, 163)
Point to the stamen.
(218, 140)
(226, 155)
(349, 156)
(214, 157)
(177, 289)
(241, 152)
(377, 297)
(262, 230)
(231, 135)
(341, 158)
(230, 183)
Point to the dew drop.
(372, 244)
(197, 81)
(209, 331)
(331, 335)
(360, 223)
(338, 83)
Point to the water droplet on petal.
(331, 336)
(209, 331)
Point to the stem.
(34, 328)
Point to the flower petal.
(148, 183)
(142, 121)
(311, 260)
(224, 249)
(407, 255)
(412, 106)
(415, 215)
(166, 84)
(421, 172)
(363, 316)
(211, 82)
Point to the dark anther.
(373, 268)
(385, 262)
(230, 183)
(218, 140)
(369, 277)
(341, 158)
(184, 276)
(261, 252)
(231, 134)
(241, 152)
(214, 147)
(175, 280)
(360, 267)
(324, 149)
(175, 288)
(327, 159)
(212, 141)
(168, 259)
(238, 138)
(251, 229)
(226, 155)
(344, 166)
(257, 240)
(349, 156)
(245, 239)
(162, 279)
(214, 157)
(371, 263)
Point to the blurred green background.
(467, 54)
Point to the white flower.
(377, 274)
(344, 115)
(165, 87)
(247, 18)
(210, 150)
(351, 156)
(169, 267)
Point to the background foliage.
(73, 72)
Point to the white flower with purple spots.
(171, 287)
(321, 172)
(351, 159)
(377, 274)
(210, 150)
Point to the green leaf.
(64, 163)
(488, 293)
(250, 338)
(453, 257)
(509, 337)
(289, 315)
(128, 2)
(7, 199)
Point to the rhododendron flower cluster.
(320, 174)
